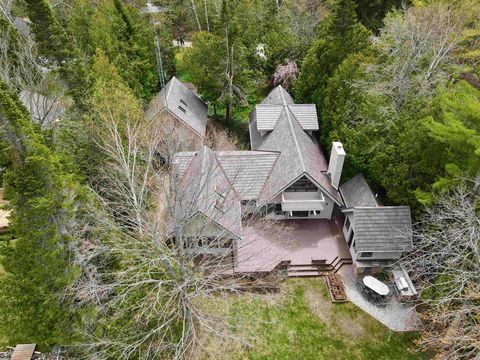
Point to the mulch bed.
(336, 288)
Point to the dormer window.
(183, 102)
(219, 204)
(182, 109)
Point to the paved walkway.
(186, 44)
(396, 316)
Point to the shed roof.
(383, 228)
(357, 193)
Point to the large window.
(303, 184)
(347, 223)
(367, 254)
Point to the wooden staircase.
(316, 268)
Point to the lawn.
(302, 323)
(182, 71)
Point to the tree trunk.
(194, 8)
(206, 15)
(229, 111)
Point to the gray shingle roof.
(357, 193)
(268, 114)
(300, 154)
(246, 170)
(43, 109)
(200, 184)
(278, 96)
(383, 228)
(183, 103)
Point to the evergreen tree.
(339, 36)
(372, 12)
(43, 199)
(49, 34)
(455, 123)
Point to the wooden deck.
(313, 247)
(24, 352)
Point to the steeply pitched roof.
(183, 103)
(357, 193)
(278, 96)
(246, 170)
(383, 228)
(204, 187)
(268, 114)
(300, 154)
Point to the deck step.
(303, 268)
(303, 273)
(341, 263)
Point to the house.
(299, 185)
(375, 234)
(181, 114)
(286, 177)
(207, 206)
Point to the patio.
(304, 244)
(395, 315)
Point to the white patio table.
(376, 285)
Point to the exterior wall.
(377, 256)
(200, 226)
(200, 229)
(347, 226)
(177, 135)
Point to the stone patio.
(395, 315)
(305, 242)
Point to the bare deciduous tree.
(169, 256)
(445, 266)
(415, 47)
(286, 75)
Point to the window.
(182, 109)
(347, 223)
(367, 254)
(298, 213)
(183, 102)
(219, 204)
(303, 184)
(350, 238)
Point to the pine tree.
(37, 264)
(340, 36)
(49, 34)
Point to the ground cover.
(302, 323)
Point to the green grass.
(303, 324)
(182, 70)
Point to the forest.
(87, 265)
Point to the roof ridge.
(297, 146)
(167, 93)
